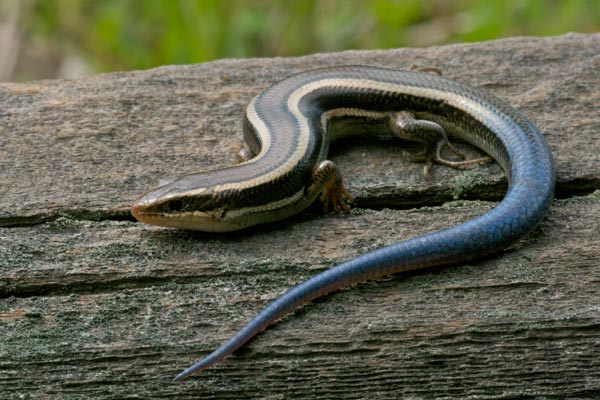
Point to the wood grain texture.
(93, 305)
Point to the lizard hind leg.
(404, 125)
(439, 159)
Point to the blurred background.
(42, 39)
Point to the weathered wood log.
(93, 305)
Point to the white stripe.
(274, 205)
(476, 110)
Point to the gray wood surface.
(94, 305)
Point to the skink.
(286, 130)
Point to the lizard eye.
(175, 205)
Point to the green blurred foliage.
(136, 34)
